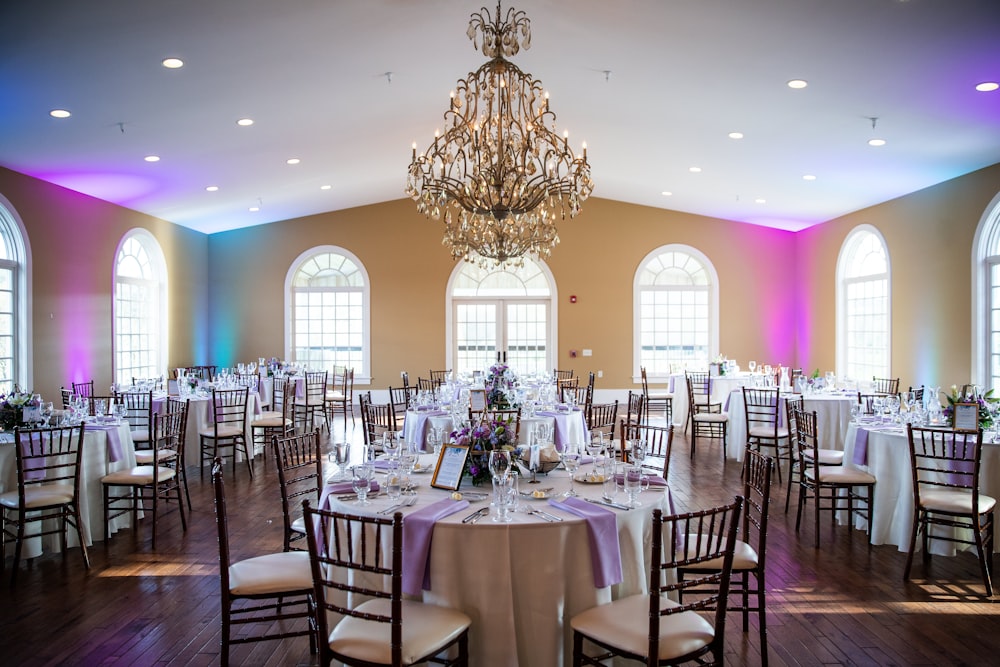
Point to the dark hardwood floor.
(844, 604)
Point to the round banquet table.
(888, 459)
(833, 414)
(521, 582)
(95, 464)
(721, 386)
(200, 416)
(568, 427)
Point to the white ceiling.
(683, 74)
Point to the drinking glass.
(390, 445)
(503, 499)
(100, 407)
(633, 485)
(393, 483)
(361, 480)
(595, 448)
(752, 365)
(47, 409)
(855, 412)
(610, 486)
(571, 461)
(407, 459)
(341, 456)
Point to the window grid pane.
(475, 336)
(526, 337)
(7, 343)
(328, 329)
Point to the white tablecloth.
(721, 387)
(889, 462)
(567, 427)
(199, 416)
(521, 582)
(833, 414)
(95, 464)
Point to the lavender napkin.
(418, 529)
(338, 488)
(654, 480)
(602, 531)
(860, 457)
(114, 441)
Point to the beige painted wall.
(409, 271)
(929, 235)
(73, 240)
(227, 290)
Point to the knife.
(608, 503)
(475, 515)
(545, 515)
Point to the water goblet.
(503, 498)
(341, 456)
(855, 412)
(394, 482)
(499, 463)
(361, 481)
(639, 451)
(390, 445)
(752, 365)
(633, 485)
(47, 409)
(595, 447)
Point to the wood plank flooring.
(844, 604)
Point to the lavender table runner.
(860, 457)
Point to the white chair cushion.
(624, 624)
(145, 456)
(334, 395)
(138, 476)
(299, 525)
(744, 557)
(43, 495)
(271, 574)
(827, 457)
(140, 435)
(426, 628)
(660, 396)
(766, 432)
(225, 431)
(954, 500)
(270, 422)
(841, 475)
(717, 417)
(269, 414)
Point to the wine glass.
(639, 451)
(341, 455)
(752, 365)
(390, 445)
(47, 409)
(500, 463)
(595, 447)
(361, 480)
(571, 461)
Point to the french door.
(515, 330)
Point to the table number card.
(966, 417)
(450, 467)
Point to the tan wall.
(929, 235)
(409, 271)
(73, 239)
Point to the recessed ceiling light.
(987, 86)
(60, 113)
(152, 158)
(667, 193)
(876, 142)
(173, 63)
(254, 209)
(694, 170)
(798, 83)
(760, 200)
(293, 160)
(212, 188)
(735, 135)
(245, 122)
(808, 177)
(325, 187)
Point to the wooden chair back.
(885, 385)
(761, 407)
(300, 475)
(601, 418)
(659, 445)
(85, 389)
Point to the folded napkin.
(382, 465)
(337, 488)
(418, 529)
(602, 531)
(654, 480)
(860, 457)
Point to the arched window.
(505, 311)
(15, 300)
(986, 298)
(675, 310)
(328, 311)
(140, 308)
(863, 305)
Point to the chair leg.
(761, 615)
(17, 548)
(983, 566)
(817, 494)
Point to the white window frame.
(985, 254)
(157, 284)
(552, 300)
(844, 259)
(361, 375)
(19, 246)
(713, 306)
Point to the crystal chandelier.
(500, 176)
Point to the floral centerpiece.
(985, 402)
(500, 381)
(483, 438)
(12, 408)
